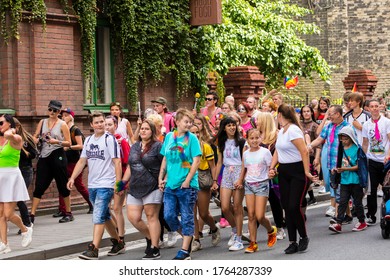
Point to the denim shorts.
(100, 199)
(257, 188)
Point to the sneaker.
(312, 201)
(333, 221)
(148, 246)
(371, 221)
(253, 247)
(322, 190)
(335, 227)
(379, 193)
(27, 237)
(32, 218)
(223, 223)
(161, 244)
(359, 226)
(216, 237)
(330, 212)
(272, 237)
(292, 248)
(217, 202)
(303, 244)
(182, 255)
(236, 246)
(153, 254)
(66, 219)
(172, 239)
(4, 248)
(201, 235)
(280, 234)
(58, 214)
(92, 253)
(196, 246)
(117, 248)
(387, 217)
(232, 239)
(347, 220)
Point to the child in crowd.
(350, 185)
(255, 166)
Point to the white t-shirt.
(377, 149)
(287, 152)
(257, 165)
(362, 118)
(122, 129)
(231, 154)
(99, 153)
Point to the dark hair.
(252, 130)
(337, 109)
(245, 105)
(356, 96)
(326, 100)
(311, 112)
(95, 114)
(119, 106)
(113, 118)
(222, 136)
(288, 112)
(214, 94)
(9, 119)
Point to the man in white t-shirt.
(102, 153)
(376, 143)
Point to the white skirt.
(12, 185)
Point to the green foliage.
(266, 33)
(14, 8)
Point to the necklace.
(181, 149)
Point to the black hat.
(55, 104)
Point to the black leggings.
(276, 208)
(377, 176)
(292, 184)
(49, 168)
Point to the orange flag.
(354, 89)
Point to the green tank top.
(9, 156)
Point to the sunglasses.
(241, 110)
(209, 99)
(1, 123)
(52, 110)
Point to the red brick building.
(47, 64)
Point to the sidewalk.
(52, 239)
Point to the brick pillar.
(244, 81)
(365, 82)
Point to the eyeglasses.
(1, 123)
(209, 99)
(52, 110)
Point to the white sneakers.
(27, 237)
(233, 238)
(4, 248)
(280, 235)
(330, 212)
(172, 239)
(236, 246)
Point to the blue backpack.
(362, 163)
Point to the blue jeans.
(100, 199)
(180, 201)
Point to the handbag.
(205, 179)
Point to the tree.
(267, 34)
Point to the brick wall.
(355, 35)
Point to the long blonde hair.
(266, 126)
(26, 137)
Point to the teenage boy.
(101, 152)
(376, 141)
(350, 185)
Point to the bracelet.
(120, 186)
(215, 180)
(60, 143)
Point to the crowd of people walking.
(174, 164)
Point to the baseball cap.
(55, 104)
(160, 100)
(69, 111)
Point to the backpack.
(362, 163)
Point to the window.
(100, 88)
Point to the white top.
(99, 153)
(362, 118)
(231, 154)
(122, 129)
(287, 152)
(377, 149)
(257, 165)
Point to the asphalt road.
(324, 244)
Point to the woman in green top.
(13, 188)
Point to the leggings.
(292, 183)
(53, 166)
(27, 173)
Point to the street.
(324, 244)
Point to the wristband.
(215, 180)
(120, 186)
